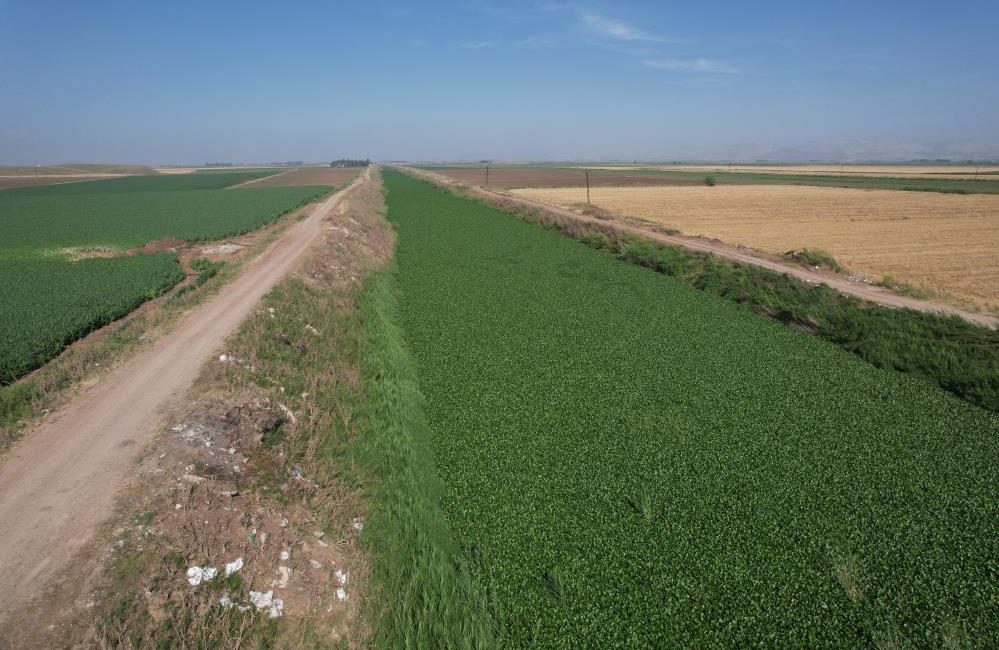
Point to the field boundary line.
(257, 180)
(871, 293)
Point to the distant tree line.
(350, 162)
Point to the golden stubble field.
(946, 242)
(832, 169)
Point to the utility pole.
(587, 187)
(976, 172)
(487, 175)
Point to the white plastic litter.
(358, 524)
(341, 594)
(285, 554)
(315, 564)
(285, 576)
(266, 600)
(341, 575)
(223, 358)
(233, 566)
(198, 574)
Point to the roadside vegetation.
(641, 461)
(423, 585)
(815, 258)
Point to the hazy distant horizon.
(186, 83)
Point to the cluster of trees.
(349, 162)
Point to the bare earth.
(946, 242)
(58, 484)
(7, 182)
(307, 176)
(846, 285)
(874, 171)
(505, 177)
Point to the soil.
(511, 178)
(7, 182)
(306, 176)
(59, 482)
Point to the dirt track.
(863, 290)
(58, 484)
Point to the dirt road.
(856, 288)
(58, 484)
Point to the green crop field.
(45, 304)
(628, 462)
(48, 300)
(126, 220)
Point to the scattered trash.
(286, 554)
(341, 576)
(323, 544)
(223, 358)
(177, 506)
(266, 600)
(296, 473)
(315, 564)
(194, 433)
(312, 330)
(233, 566)
(285, 577)
(357, 524)
(192, 478)
(198, 574)
(341, 594)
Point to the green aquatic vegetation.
(630, 462)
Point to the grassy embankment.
(628, 461)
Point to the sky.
(183, 82)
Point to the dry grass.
(945, 242)
(832, 169)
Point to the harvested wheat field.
(945, 242)
(832, 169)
(309, 176)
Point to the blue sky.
(186, 82)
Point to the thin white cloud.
(476, 45)
(692, 65)
(617, 29)
(537, 42)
